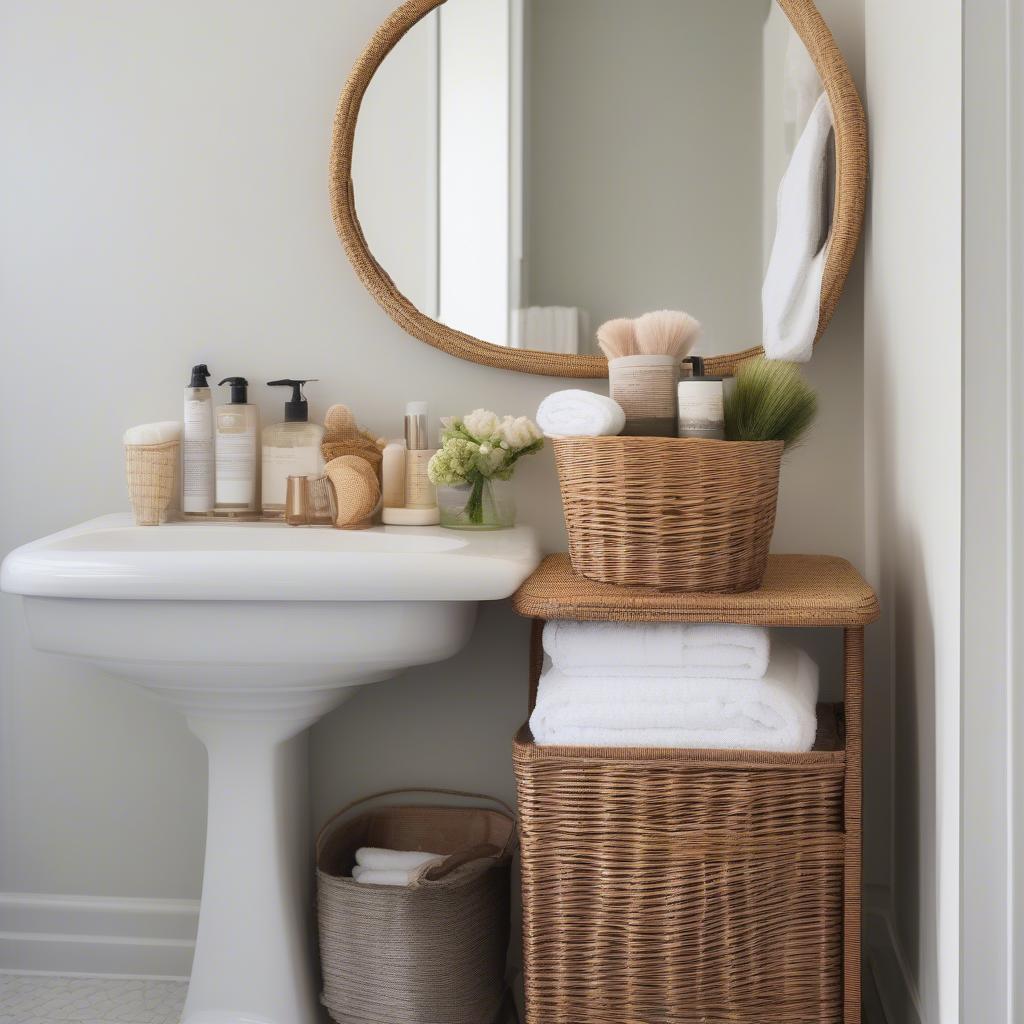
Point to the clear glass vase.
(483, 505)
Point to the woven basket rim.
(669, 442)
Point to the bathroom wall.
(629, 205)
(913, 469)
(163, 201)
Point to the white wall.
(163, 201)
(913, 463)
(394, 165)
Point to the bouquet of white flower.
(478, 448)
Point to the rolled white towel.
(697, 650)
(378, 859)
(576, 413)
(153, 433)
(776, 713)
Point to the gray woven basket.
(432, 953)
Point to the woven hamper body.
(673, 513)
(430, 953)
(682, 886)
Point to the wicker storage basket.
(672, 513)
(433, 952)
(683, 886)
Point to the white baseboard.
(50, 934)
(888, 967)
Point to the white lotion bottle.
(237, 428)
(197, 472)
(291, 448)
(393, 474)
(420, 493)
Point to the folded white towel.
(549, 328)
(791, 295)
(774, 713)
(577, 413)
(369, 876)
(701, 650)
(153, 433)
(378, 859)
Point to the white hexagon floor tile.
(44, 999)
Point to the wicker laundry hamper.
(430, 953)
(683, 514)
(683, 886)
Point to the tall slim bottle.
(197, 473)
(237, 450)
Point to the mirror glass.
(527, 169)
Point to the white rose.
(481, 424)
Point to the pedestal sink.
(254, 631)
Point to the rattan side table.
(690, 886)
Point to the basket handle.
(333, 819)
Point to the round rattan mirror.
(527, 168)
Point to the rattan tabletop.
(798, 590)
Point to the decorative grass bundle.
(770, 402)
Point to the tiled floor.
(41, 999)
(38, 999)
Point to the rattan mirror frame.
(850, 189)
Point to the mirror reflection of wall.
(539, 166)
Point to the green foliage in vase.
(479, 447)
(771, 401)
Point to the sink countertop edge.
(478, 570)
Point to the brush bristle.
(666, 332)
(617, 338)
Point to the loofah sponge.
(343, 436)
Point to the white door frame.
(992, 698)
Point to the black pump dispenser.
(297, 409)
(199, 376)
(239, 390)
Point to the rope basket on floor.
(433, 951)
(684, 514)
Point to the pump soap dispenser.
(237, 440)
(291, 448)
(197, 446)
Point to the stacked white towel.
(730, 696)
(697, 650)
(549, 328)
(376, 866)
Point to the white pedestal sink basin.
(254, 631)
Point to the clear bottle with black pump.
(290, 448)
(237, 439)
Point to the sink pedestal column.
(255, 959)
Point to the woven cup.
(684, 514)
(646, 388)
(151, 471)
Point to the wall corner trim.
(62, 934)
(888, 965)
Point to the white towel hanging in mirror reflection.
(791, 294)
